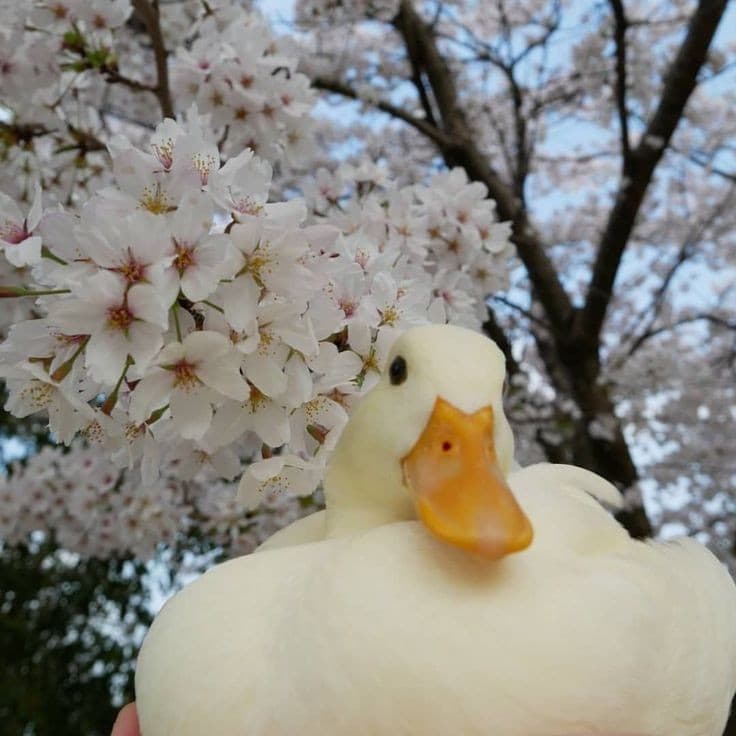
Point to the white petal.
(255, 480)
(250, 491)
(230, 421)
(106, 354)
(171, 353)
(197, 283)
(34, 214)
(25, 253)
(144, 342)
(75, 317)
(265, 469)
(226, 462)
(271, 423)
(151, 393)
(223, 376)
(241, 302)
(205, 345)
(266, 374)
(299, 334)
(145, 303)
(9, 209)
(66, 419)
(299, 381)
(191, 413)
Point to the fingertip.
(126, 724)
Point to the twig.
(619, 36)
(148, 13)
(423, 126)
(680, 82)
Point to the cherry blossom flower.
(187, 327)
(31, 389)
(285, 474)
(121, 322)
(20, 246)
(190, 377)
(241, 185)
(201, 259)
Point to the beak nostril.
(446, 446)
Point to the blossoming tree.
(215, 218)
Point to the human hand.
(126, 724)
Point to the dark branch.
(461, 150)
(496, 333)
(423, 126)
(680, 82)
(619, 36)
(82, 140)
(114, 77)
(649, 315)
(148, 13)
(653, 332)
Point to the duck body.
(390, 631)
(445, 591)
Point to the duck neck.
(360, 495)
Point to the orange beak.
(458, 489)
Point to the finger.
(126, 724)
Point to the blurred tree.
(69, 631)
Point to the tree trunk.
(596, 440)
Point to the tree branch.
(114, 77)
(147, 11)
(680, 82)
(423, 126)
(619, 36)
(461, 150)
(25, 132)
(653, 332)
(496, 333)
(684, 253)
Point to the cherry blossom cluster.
(448, 227)
(236, 70)
(95, 510)
(180, 315)
(73, 74)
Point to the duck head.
(431, 441)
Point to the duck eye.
(397, 371)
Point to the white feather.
(358, 622)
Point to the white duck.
(400, 610)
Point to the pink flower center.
(184, 257)
(132, 271)
(203, 165)
(247, 206)
(185, 376)
(164, 153)
(12, 232)
(119, 317)
(348, 307)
